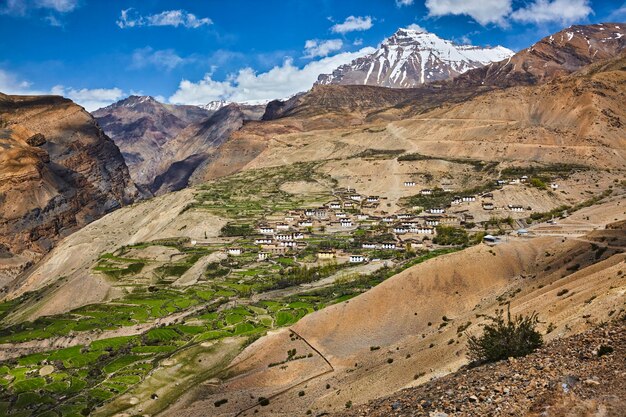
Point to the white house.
(491, 240)
(409, 184)
(488, 206)
(362, 217)
(372, 199)
(554, 186)
(426, 192)
(263, 241)
(501, 182)
(341, 215)
(263, 256)
(356, 197)
(335, 206)
(437, 210)
(432, 222)
(309, 212)
(388, 245)
(288, 243)
(368, 246)
(469, 198)
(357, 259)
(266, 230)
(346, 223)
(348, 204)
(422, 230)
(388, 219)
(404, 216)
(235, 251)
(282, 226)
(284, 237)
(326, 254)
(305, 223)
(456, 201)
(400, 230)
(516, 208)
(298, 236)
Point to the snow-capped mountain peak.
(412, 57)
(214, 105)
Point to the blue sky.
(196, 51)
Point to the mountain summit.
(412, 57)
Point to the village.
(371, 231)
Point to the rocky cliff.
(58, 172)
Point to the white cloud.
(415, 26)
(545, 11)
(352, 24)
(316, 48)
(402, 3)
(21, 7)
(483, 11)
(90, 99)
(129, 19)
(248, 86)
(166, 59)
(62, 6)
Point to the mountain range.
(410, 58)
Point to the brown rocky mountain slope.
(59, 172)
(556, 55)
(576, 119)
(163, 144)
(140, 126)
(193, 147)
(568, 377)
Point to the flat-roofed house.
(326, 254)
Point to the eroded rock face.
(58, 172)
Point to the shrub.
(502, 338)
(605, 350)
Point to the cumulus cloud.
(22, 7)
(166, 59)
(316, 48)
(352, 24)
(90, 99)
(129, 18)
(545, 11)
(248, 86)
(402, 3)
(415, 26)
(483, 11)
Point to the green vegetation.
(478, 165)
(379, 153)
(502, 338)
(447, 235)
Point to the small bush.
(220, 402)
(502, 338)
(605, 350)
(562, 292)
(264, 401)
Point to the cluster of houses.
(281, 235)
